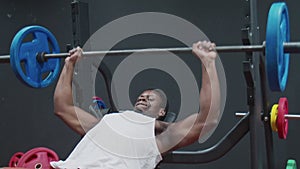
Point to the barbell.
(37, 63)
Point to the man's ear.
(162, 112)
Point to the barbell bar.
(289, 47)
(32, 60)
(287, 116)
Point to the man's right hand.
(75, 55)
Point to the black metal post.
(80, 22)
(266, 118)
(250, 35)
(80, 33)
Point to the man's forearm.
(209, 99)
(63, 91)
(77, 119)
(210, 90)
(63, 99)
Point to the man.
(134, 139)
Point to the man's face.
(149, 103)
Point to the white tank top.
(119, 141)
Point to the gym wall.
(27, 114)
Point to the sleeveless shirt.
(119, 141)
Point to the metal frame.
(215, 152)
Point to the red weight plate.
(38, 158)
(282, 122)
(13, 162)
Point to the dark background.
(27, 118)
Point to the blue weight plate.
(278, 32)
(23, 56)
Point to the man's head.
(153, 103)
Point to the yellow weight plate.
(274, 112)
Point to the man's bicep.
(78, 119)
(179, 134)
(85, 119)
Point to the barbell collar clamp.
(40, 57)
